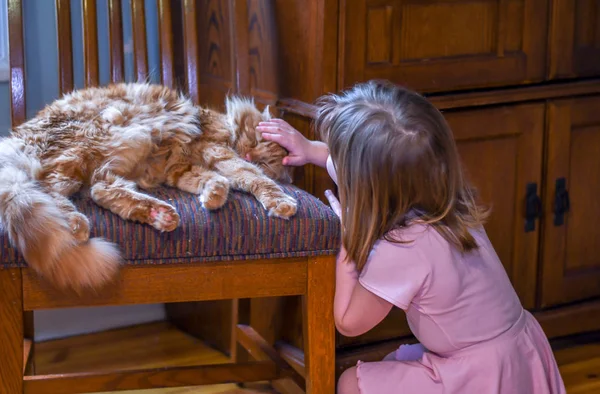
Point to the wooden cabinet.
(571, 242)
(501, 150)
(574, 39)
(439, 45)
(507, 75)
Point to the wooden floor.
(160, 344)
(147, 346)
(580, 367)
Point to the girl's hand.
(334, 203)
(296, 144)
(301, 151)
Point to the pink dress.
(476, 337)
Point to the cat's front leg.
(212, 187)
(247, 177)
(121, 197)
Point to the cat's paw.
(215, 192)
(80, 226)
(281, 206)
(164, 218)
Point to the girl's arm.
(356, 310)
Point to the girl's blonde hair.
(396, 162)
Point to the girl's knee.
(348, 382)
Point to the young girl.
(413, 238)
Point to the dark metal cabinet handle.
(533, 206)
(561, 201)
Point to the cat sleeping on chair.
(112, 140)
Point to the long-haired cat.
(112, 140)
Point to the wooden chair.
(286, 258)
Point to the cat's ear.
(238, 110)
(267, 113)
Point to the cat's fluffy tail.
(40, 230)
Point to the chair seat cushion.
(241, 230)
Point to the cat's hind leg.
(120, 196)
(78, 222)
(60, 187)
(212, 187)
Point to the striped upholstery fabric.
(241, 230)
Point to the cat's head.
(243, 118)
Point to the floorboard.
(161, 345)
(146, 346)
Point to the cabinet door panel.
(444, 44)
(501, 150)
(575, 39)
(571, 261)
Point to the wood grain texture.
(217, 75)
(293, 356)
(90, 43)
(474, 99)
(140, 49)
(570, 265)
(29, 335)
(65, 46)
(431, 52)
(151, 378)
(210, 321)
(319, 327)
(574, 38)
(17, 62)
(510, 148)
(190, 45)
(11, 332)
(165, 32)
(27, 348)
(579, 366)
(178, 283)
(260, 39)
(127, 349)
(239, 31)
(560, 322)
(115, 31)
(260, 350)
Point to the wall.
(41, 88)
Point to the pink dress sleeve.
(396, 272)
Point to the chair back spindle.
(65, 55)
(140, 50)
(17, 62)
(90, 43)
(190, 48)
(165, 34)
(115, 31)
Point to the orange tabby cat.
(112, 140)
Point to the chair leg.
(11, 332)
(29, 333)
(319, 327)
